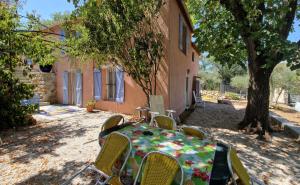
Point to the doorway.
(187, 104)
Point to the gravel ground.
(48, 153)
(276, 162)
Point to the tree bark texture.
(257, 110)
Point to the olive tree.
(258, 28)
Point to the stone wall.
(45, 84)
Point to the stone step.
(289, 127)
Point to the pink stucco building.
(77, 83)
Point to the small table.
(194, 155)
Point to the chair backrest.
(111, 122)
(157, 104)
(197, 98)
(165, 122)
(114, 146)
(191, 131)
(236, 166)
(160, 169)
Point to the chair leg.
(78, 173)
(170, 114)
(152, 120)
(153, 114)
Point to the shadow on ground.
(278, 161)
(37, 140)
(54, 176)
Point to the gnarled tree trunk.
(257, 110)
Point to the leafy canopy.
(224, 27)
(122, 32)
(284, 78)
(16, 44)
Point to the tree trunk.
(257, 110)
(281, 90)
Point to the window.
(183, 35)
(193, 56)
(111, 83)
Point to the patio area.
(57, 112)
(50, 152)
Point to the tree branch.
(288, 19)
(237, 10)
(37, 31)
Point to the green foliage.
(209, 81)
(209, 75)
(56, 18)
(212, 73)
(285, 79)
(226, 73)
(91, 103)
(235, 31)
(232, 96)
(223, 30)
(121, 32)
(15, 44)
(240, 82)
(216, 32)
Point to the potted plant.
(90, 105)
(46, 65)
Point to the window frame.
(98, 70)
(111, 84)
(193, 56)
(183, 34)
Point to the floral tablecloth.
(195, 156)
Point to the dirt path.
(278, 161)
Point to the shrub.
(12, 113)
(232, 96)
(15, 45)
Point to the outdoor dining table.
(194, 155)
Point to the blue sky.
(45, 8)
